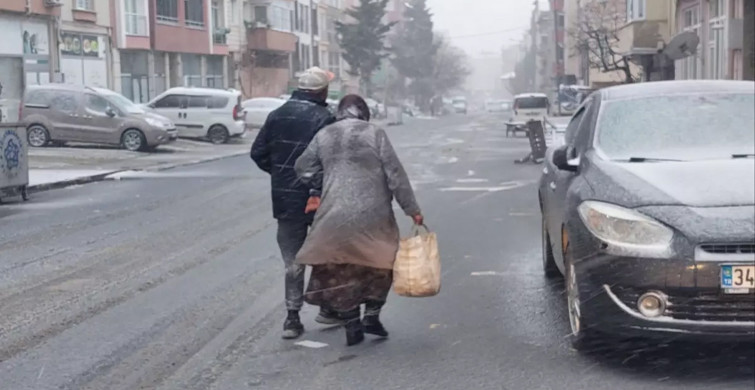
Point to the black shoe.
(292, 328)
(328, 317)
(354, 332)
(372, 325)
(353, 326)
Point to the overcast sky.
(487, 25)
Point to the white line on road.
(311, 344)
(484, 273)
(472, 180)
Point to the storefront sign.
(74, 44)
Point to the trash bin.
(14, 162)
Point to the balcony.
(260, 36)
(640, 38)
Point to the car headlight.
(625, 231)
(156, 123)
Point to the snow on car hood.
(708, 183)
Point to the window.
(198, 101)
(37, 99)
(297, 22)
(217, 102)
(315, 27)
(716, 47)
(280, 18)
(260, 14)
(167, 10)
(170, 101)
(192, 70)
(86, 5)
(689, 68)
(194, 13)
(214, 73)
(635, 10)
(96, 104)
(717, 8)
(235, 12)
(136, 18)
(218, 21)
(64, 102)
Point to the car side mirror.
(110, 112)
(151, 105)
(565, 159)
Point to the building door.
(11, 87)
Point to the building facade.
(724, 29)
(27, 50)
(169, 43)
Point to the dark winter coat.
(282, 139)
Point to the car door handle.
(552, 185)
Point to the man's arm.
(260, 152)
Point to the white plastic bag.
(416, 272)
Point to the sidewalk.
(55, 167)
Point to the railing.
(167, 19)
(136, 24)
(194, 23)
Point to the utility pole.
(534, 36)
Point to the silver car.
(57, 113)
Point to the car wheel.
(549, 261)
(582, 337)
(37, 135)
(133, 140)
(218, 135)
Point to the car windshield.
(531, 103)
(123, 103)
(680, 127)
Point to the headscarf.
(353, 107)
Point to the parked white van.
(202, 112)
(527, 107)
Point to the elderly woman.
(354, 238)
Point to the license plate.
(737, 279)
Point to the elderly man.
(282, 139)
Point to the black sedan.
(648, 211)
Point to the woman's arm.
(309, 168)
(398, 181)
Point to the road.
(172, 280)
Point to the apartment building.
(27, 50)
(724, 29)
(168, 43)
(84, 43)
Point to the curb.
(102, 176)
(66, 183)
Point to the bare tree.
(596, 33)
(450, 68)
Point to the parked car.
(527, 107)
(257, 109)
(648, 211)
(459, 104)
(59, 113)
(215, 114)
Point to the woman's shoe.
(372, 325)
(354, 332)
(353, 326)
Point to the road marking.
(472, 180)
(470, 173)
(521, 214)
(453, 160)
(310, 344)
(484, 273)
(433, 326)
(502, 187)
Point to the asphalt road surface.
(173, 281)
